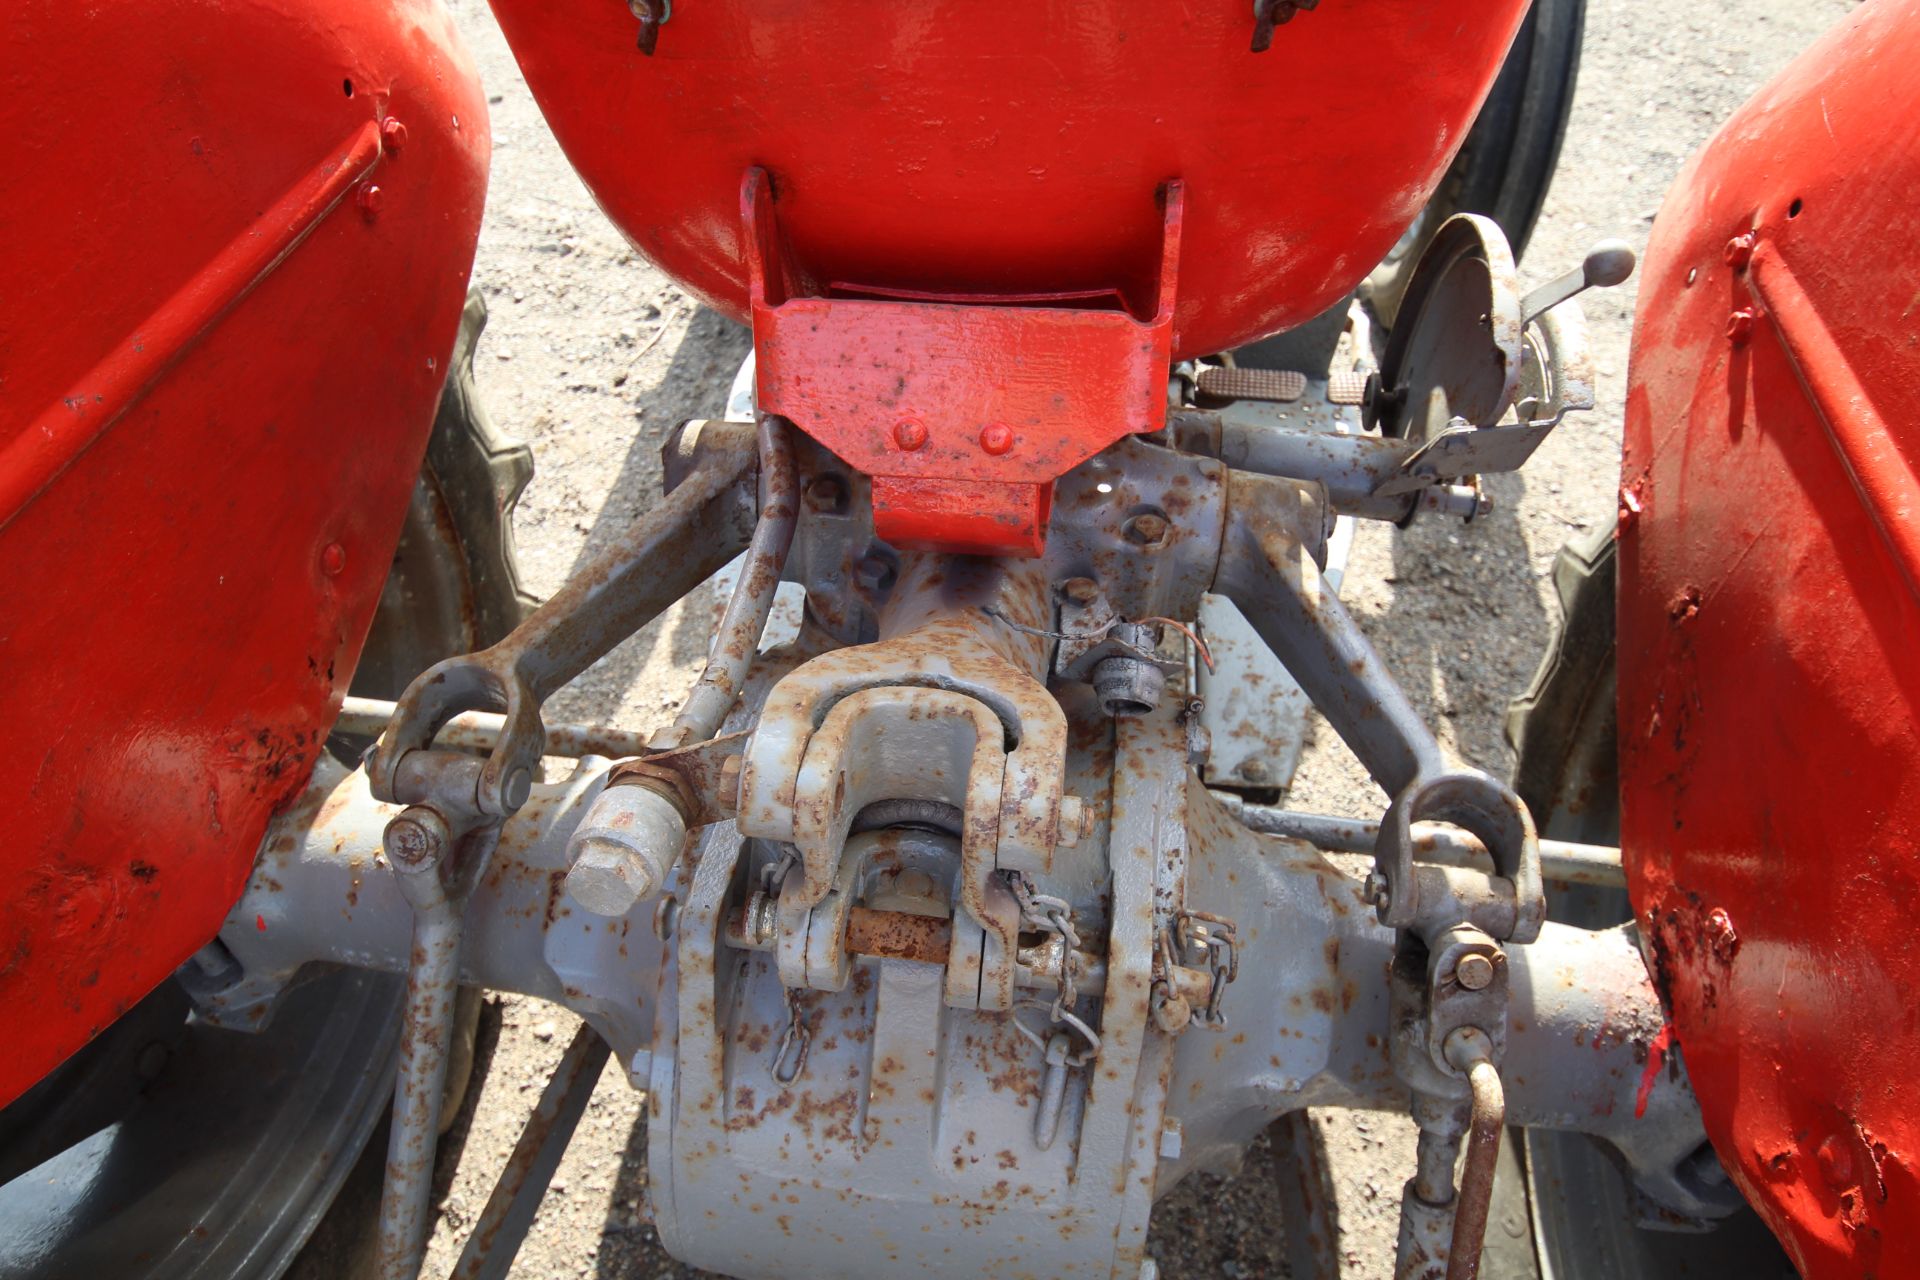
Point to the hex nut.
(827, 493)
(1080, 590)
(1148, 529)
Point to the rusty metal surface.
(679, 543)
(1253, 711)
(895, 935)
(946, 707)
(1274, 574)
(868, 1165)
(419, 1088)
(480, 730)
(737, 638)
(1562, 860)
(1485, 1130)
(321, 892)
(1312, 1032)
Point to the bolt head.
(996, 438)
(1148, 529)
(1374, 889)
(393, 134)
(1740, 327)
(153, 1059)
(416, 839)
(519, 788)
(1740, 250)
(1474, 971)
(370, 198)
(873, 574)
(1080, 590)
(333, 559)
(826, 493)
(914, 884)
(607, 878)
(910, 434)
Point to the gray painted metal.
(480, 730)
(737, 638)
(1309, 1030)
(1253, 711)
(1277, 580)
(1563, 860)
(1041, 1027)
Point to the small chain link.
(1048, 914)
(1204, 931)
(790, 1055)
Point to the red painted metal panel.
(234, 241)
(963, 410)
(1014, 147)
(1770, 641)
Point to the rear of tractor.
(948, 928)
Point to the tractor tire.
(1503, 170)
(1506, 164)
(1586, 1223)
(170, 1148)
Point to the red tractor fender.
(234, 245)
(1769, 633)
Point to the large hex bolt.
(621, 851)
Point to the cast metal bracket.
(965, 457)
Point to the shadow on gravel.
(630, 1249)
(694, 384)
(1462, 632)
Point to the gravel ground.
(592, 355)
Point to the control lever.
(1607, 264)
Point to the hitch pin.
(1607, 264)
(1053, 1091)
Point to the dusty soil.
(592, 355)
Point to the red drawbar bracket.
(964, 410)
